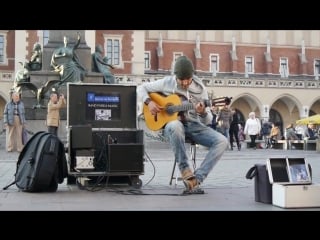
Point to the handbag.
(24, 136)
(262, 185)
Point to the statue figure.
(22, 75)
(99, 64)
(35, 63)
(38, 92)
(66, 62)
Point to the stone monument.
(36, 116)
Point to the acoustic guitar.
(171, 105)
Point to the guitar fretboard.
(179, 108)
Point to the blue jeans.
(177, 131)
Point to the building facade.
(273, 73)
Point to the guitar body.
(158, 121)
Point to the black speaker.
(125, 158)
(81, 136)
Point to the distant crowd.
(227, 121)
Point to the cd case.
(288, 171)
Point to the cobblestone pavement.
(226, 188)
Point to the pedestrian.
(290, 133)
(252, 128)
(224, 119)
(14, 120)
(265, 132)
(53, 115)
(191, 123)
(234, 130)
(214, 113)
(241, 135)
(275, 134)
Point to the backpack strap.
(252, 172)
(10, 184)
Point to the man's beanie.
(183, 68)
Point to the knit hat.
(183, 68)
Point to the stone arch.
(291, 102)
(246, 103)
(315, 106)
(285, 109)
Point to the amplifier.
(81, 136)
(125, 158)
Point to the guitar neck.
(181, 108)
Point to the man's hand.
(200, 108)
(154, 108)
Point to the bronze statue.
(35, 64)
(100, 64)
(39, 93)
(66, 62)
(22, 75)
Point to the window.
(214, 64)
(249, 65)
(45, 37)
(317, 68)
(147, 60)
(2, 48)
(284, 71)
(113, 51)
(175, 56)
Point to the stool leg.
(172, 174)
(176, 178)
(193, 150)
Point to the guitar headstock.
(206, 102)
(221, 101)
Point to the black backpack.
(41, 164)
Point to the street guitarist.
(191, 123)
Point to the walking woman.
(252, 128)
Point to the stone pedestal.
(40, 78)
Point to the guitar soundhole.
(156, 117)
(170, 109)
